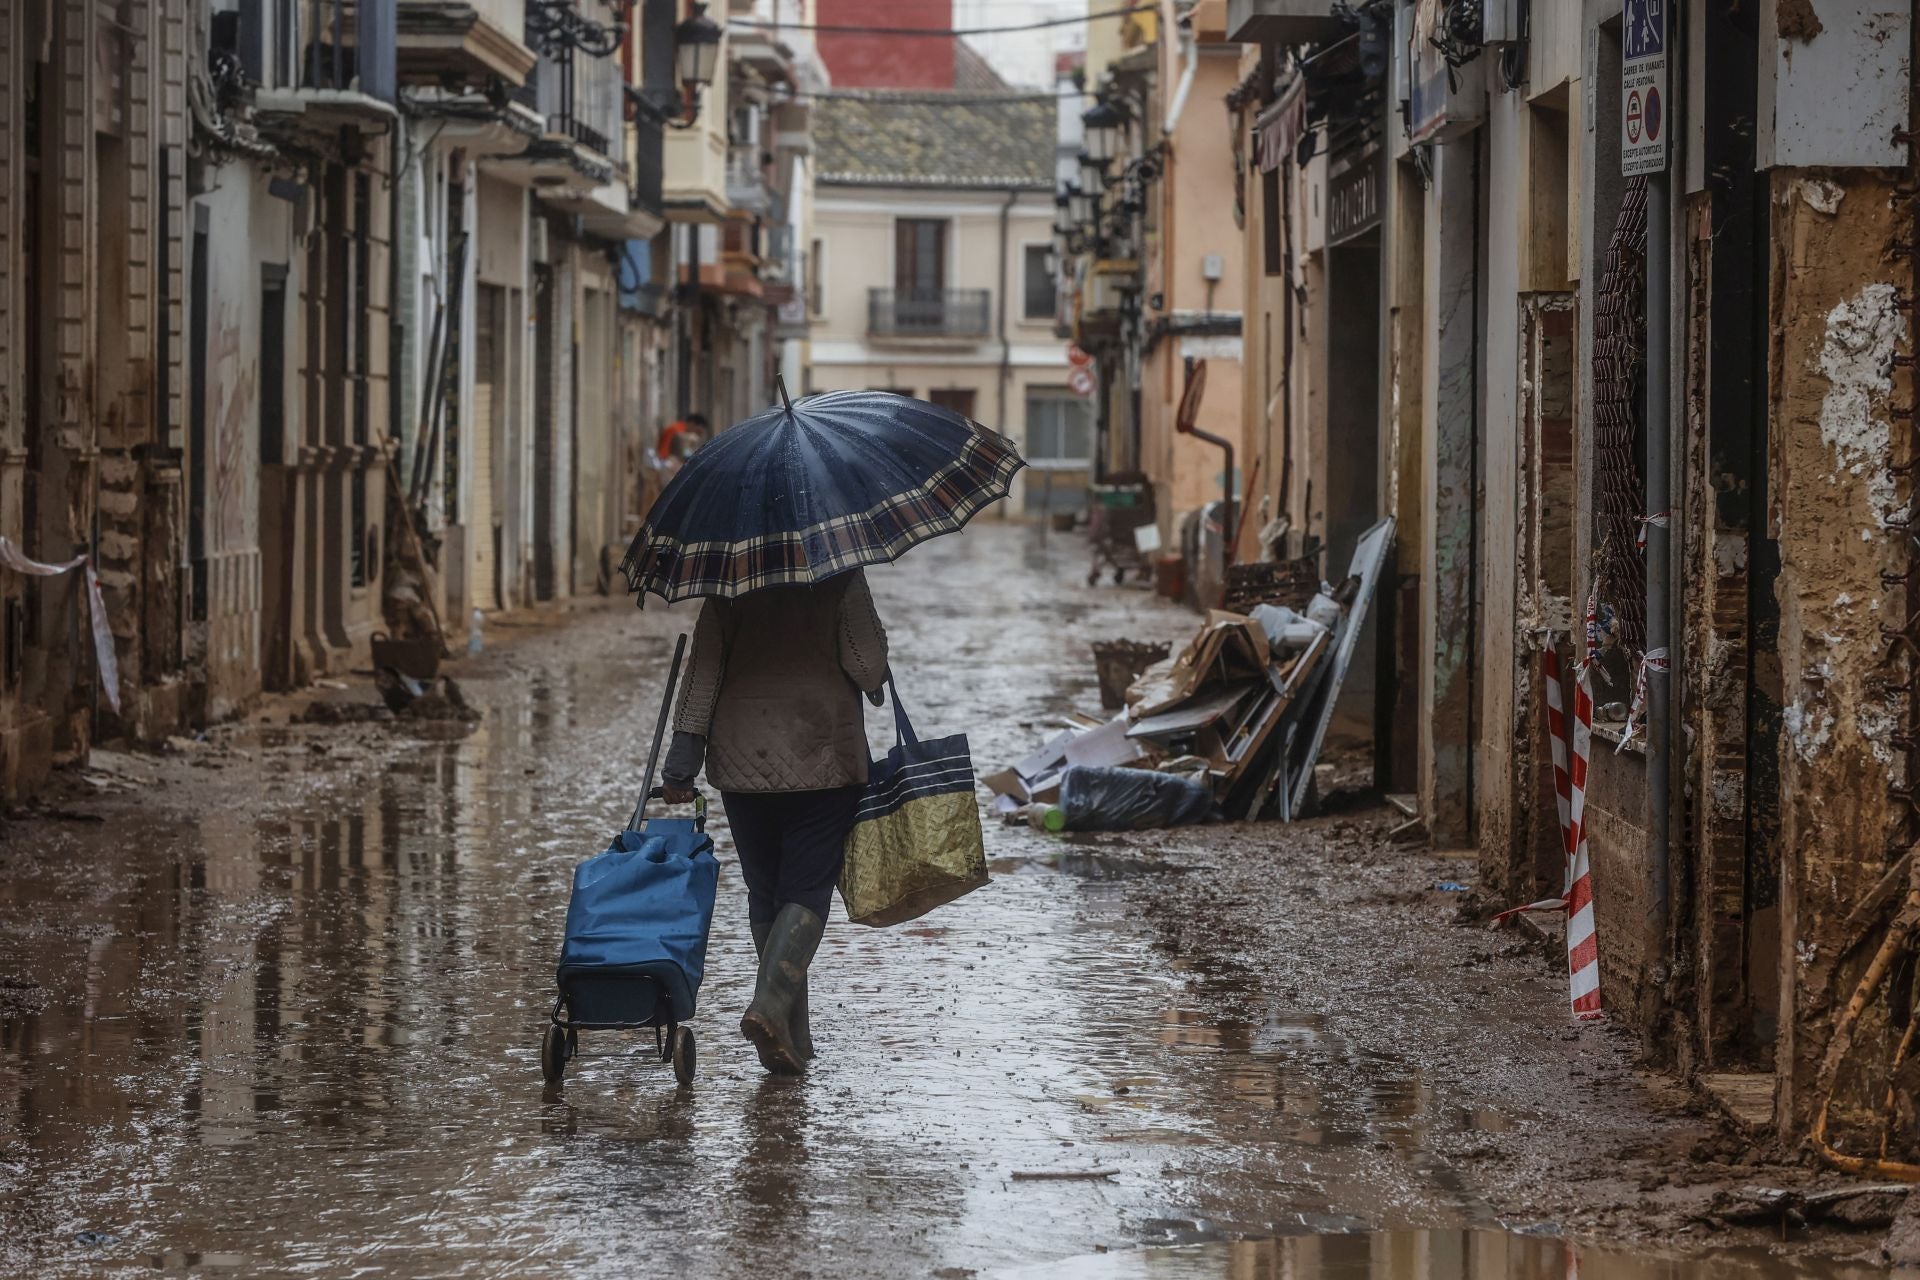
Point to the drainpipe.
(1170, 25)
(1006, 344)
(690, 315)
(1226, 480)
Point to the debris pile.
(1229, 727)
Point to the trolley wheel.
(681, 1041)
(554, 1052)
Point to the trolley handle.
(699, 805)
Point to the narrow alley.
(274, 1004)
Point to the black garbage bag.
(1095, 799)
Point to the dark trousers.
(790, 844)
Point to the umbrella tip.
(780, 382)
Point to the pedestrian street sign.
(1643, 87)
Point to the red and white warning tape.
(1652, 660)
(1557, 736)
(13, 558)
(1583, 947)
(1572, 743)
(1662, 520)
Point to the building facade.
(1654, 422)
(932, 255)
(1155, 273)
(326, 320)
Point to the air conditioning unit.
(1500, 20)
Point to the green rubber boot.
(768, 1021)
(799, 1029)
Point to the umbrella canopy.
(803, 492)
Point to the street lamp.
(1093, 175)
(696, 52)
(1080, 205)
(1102, 125)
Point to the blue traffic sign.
(1643, 29)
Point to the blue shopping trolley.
(637, 924)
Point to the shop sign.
(1353, 192)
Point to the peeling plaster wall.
(1836, 277)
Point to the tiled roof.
(915, 138)
(973, 73)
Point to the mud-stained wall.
(1448, 497)
(1712, 680)
(1838, 284)
(247, 227)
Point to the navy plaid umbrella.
(803, 492)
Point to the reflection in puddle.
(1428, 1255)
(1324, 1092)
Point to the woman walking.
(771, 523)
(771, 706)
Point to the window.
(958, 399)
(273, 363)
(919, 257)
(1040, 291)
(1059, 427)
(1275, 251)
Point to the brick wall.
(887, 62)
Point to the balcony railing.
(929, 313)
(579, 96)
(348, 45)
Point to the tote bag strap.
(902, 727)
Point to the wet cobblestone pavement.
(271, 1007)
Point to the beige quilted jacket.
(774, 685)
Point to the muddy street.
(270, 1006)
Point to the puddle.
(1429, 1255)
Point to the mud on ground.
(269, 1005)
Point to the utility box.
(1446, 102)
(1284, 21)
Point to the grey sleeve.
(863, 640)
(705, 668)
(684, 759)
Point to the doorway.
(276, 493)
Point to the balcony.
(463, 43)
(574, 161)
(693, 187)
(940, 314)
(746, 181)
(343, 74)
(1284, 21)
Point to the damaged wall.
(1839, 278)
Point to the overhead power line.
(908, 98)
(944, 32)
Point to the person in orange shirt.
(671, 433)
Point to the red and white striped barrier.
(1572, 743)
(1583, 947)
(1557, 736)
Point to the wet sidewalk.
(276, 1013)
